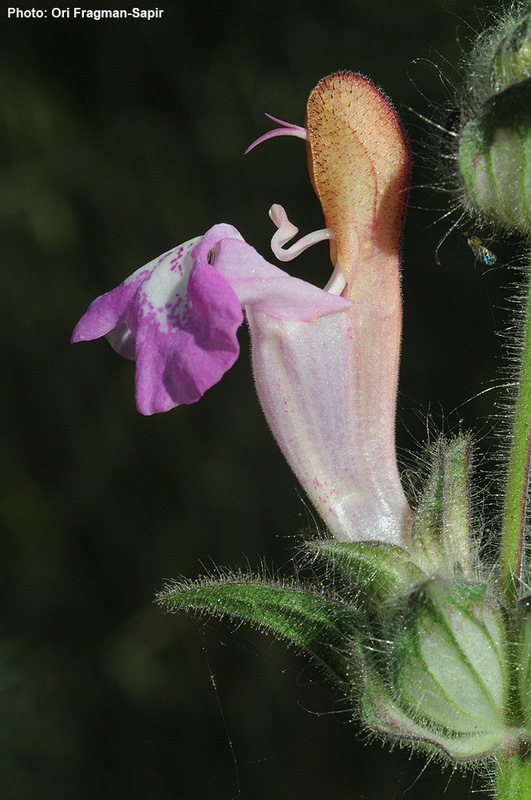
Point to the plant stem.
(515, 505)
(512, 779)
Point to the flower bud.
(495, 141)
(494, 151)
(504, 57)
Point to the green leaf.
(322, 626)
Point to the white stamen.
(286, 231)
(337, 281)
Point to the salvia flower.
(327, 381)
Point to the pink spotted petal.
(109, 310)
(179, 366)
(182, 337)
(178, 316)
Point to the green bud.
(383, 714)
(443, 684)
(495, 158)
(451, 659)
(494, 151)
(442, 540)
(501, 57)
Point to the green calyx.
(383, 713)
(494, 143)
(450, 658)
(494, 158)
(500, 58)
(442, 684)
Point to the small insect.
(481, 252)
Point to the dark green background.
(121, 139)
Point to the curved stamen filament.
(287, 230)
(287, 129)
(337, 281)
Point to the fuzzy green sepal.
(501, 57)
(511, 60)
(441, 536)
(381, 572)
(325, 627)
(442, 684)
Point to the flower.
(177, 316)
(327, 381)
(328, 388)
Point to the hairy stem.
(516, 490)
(512, 779)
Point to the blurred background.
(121, 139)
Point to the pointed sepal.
(323, 626)
(380, 572)
(442, 541)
